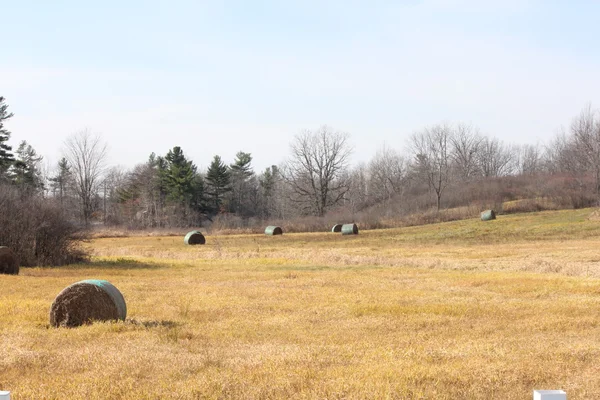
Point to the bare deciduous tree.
(529, 159)
(357, 195)
(86, 153)
(387, 174)
(586, 133)
(466, 144)
(114, 179)
(560, 155)
(316, 171)
(431, 149)
(495, 159)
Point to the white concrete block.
(549, 395)
(4, 395)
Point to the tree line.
(443, 165)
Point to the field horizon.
(462, 309)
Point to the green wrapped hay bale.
(349, 229)
(194, 237)
(9, 264)
(337, 228)
(488, 215)
(273, 230)
(87, 301)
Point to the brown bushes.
(9, 264)
(37, 230)
(529, 205)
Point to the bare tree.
(530, 160)
(586, 133)
(495, 158)
(316, 171)
(86, 153)
(387, 174)
(431, 149)
(560, 155)
(466, 144)
(114, 180)
(357, 196)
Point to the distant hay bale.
(349, 229)
(87, 301)
(337, 228)
(9, 264)
(194, 237)
(273, 230)
(488, 215)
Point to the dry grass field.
(460, 310)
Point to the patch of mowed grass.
(400, 313)
(561, 224)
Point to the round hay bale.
(488, 215)
(337, 228)
(9, 264)
(194, 237)
(87, 301)
(349, 229)
(273, 230)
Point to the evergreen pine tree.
(241, 172)
(217, 179)
(268, 181)
(25, 170)
(179, 176)
(6, 157)
(59, 183)
(241, 165)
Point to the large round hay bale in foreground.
(337, 228)
(9, 264)
(488, 215)
(349, 229)
(273, 230)
(194, 237)
(87, 301)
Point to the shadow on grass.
(153, 324)
(129, 322)
(119, 263)
(311, 268)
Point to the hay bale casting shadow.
(488, 215)
(9, 264)
(273, 230)
(349, 229)
(337, 228)
(87, 301)
(194, 237)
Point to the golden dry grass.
(460, 310)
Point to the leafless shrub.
(37, 230)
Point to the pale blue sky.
(219, 77)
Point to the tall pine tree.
(26, 171)
(268, 184)
(60, 182)
(218, 180)
(6, 156)
(241, 173)
(182, 183)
